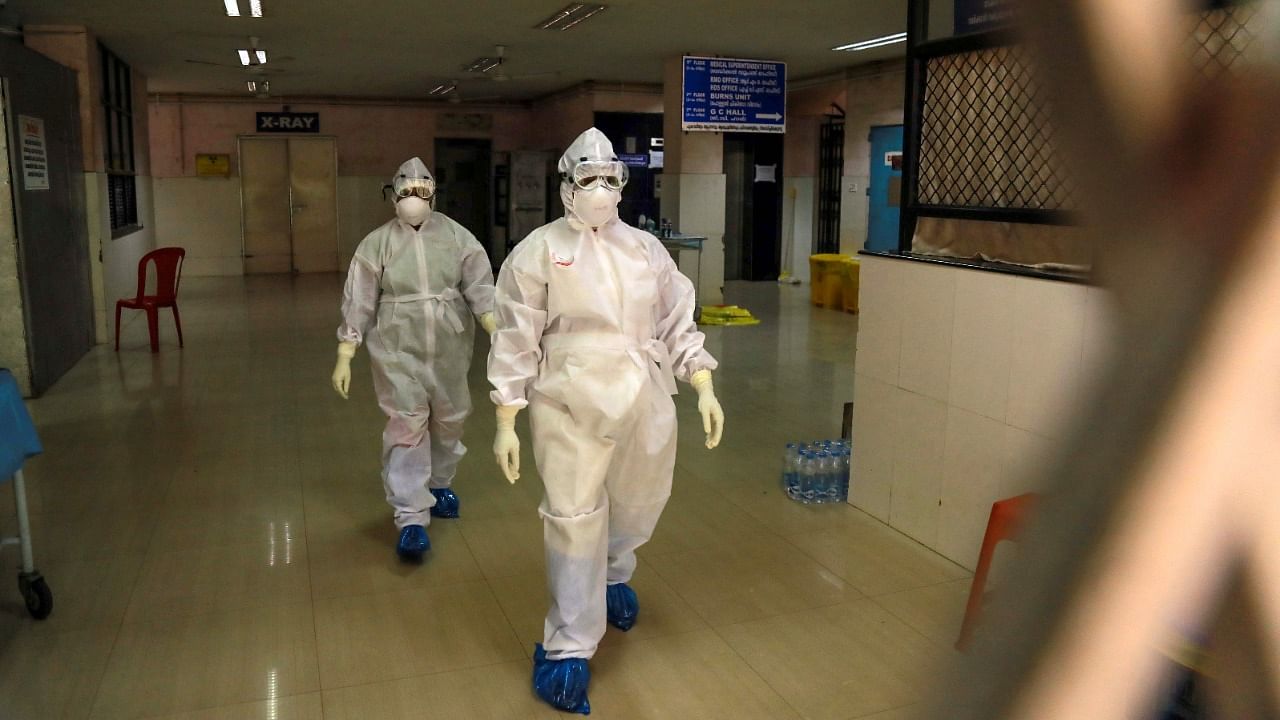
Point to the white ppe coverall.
(594, 326)
(410, 297)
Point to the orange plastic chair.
(1007, 518)
(168, 273)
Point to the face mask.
(413, 210)
(596, 207)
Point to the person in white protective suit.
(414, 285)
(595, 324)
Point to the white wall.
(962, 380)
(201, 215)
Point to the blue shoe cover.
(413, 542)
(561, 683)
(621, 606)
(446, 503)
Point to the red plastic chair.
(1007, 518)
(168, 273)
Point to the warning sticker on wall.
(35, 156)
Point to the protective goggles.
(610, 174)
(405, 187)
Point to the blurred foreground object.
(1161, 513)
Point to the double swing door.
(289, 201)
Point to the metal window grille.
(122, 199)
(830, 168)
(986, 137)
(1221, 38)
(117, 103)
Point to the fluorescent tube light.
(569, 16)
(233, 7)
(873, 43)
(244, 57)
(591, 12)
(442, 89)
(482, 65)
(253, 86)
(262, 57)
(559, 17)
(255, 8)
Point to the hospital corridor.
(221, 551)
(639, 359)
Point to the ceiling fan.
(494, 68)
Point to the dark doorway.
(634, 136)
(464, 180)
(753, 206)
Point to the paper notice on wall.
(35, 155)
(767, 173)
(655, 159)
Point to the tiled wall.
(963, 378)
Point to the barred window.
(117, 103)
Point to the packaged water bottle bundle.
(817, 472)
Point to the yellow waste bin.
(826, 284)
(852, 268)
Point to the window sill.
(1005, 268)
(120, 232)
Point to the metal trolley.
(18, 442)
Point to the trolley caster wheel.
(35, 592)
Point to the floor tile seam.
(852, 583)
(127, 624)
(918, 587)
(919, 633)
(912, 626)
(754, 671)
(316, 597)
(651, 558)
(306, 533)
(106, 665)
(418, 676)
(227, 705)
(878, 712)
(493, 593)
(710, 622)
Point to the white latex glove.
(506, 446)
(342, 369)
(489, 322)
(709, 406)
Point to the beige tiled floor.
(213, 528)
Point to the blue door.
(882, 192)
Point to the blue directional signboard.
(727, 95)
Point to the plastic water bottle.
(831, 488)
(808, 476)
(846, 457)
(823, 477)
(818, 489)
(791, 470)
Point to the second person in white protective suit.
(412, 291)
(595, 325)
